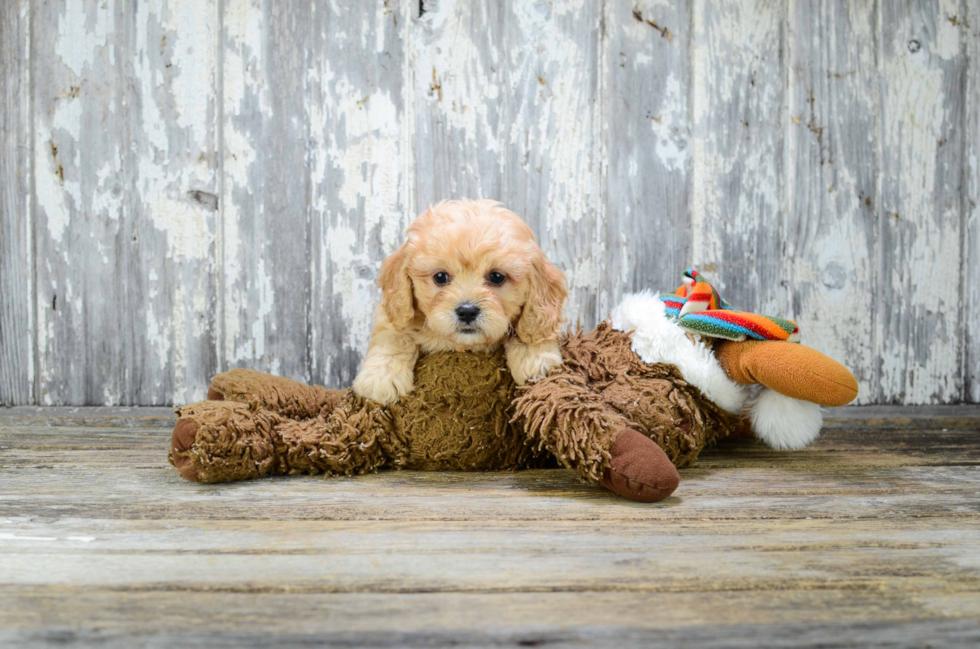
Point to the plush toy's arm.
(561, 413)
(223, 441)
(567, 418)
(280, 395)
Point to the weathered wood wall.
(192, 185)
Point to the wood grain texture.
(125, 222)
(918, 327)
(16, 242)
(315, 187)
(506, 108)
(647, 134)
(869, 536)
(192, 186)
(954, 633)
(266, 244)
(739, 121)
(971, 208)
(832, 179)
(360, 149)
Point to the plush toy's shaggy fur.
(631, 400)
(456, 418)
(465, 413)
(602, 388)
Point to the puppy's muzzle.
(467, 313)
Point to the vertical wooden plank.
(918, 318)
(16, 259)
(360, 145)
(738, 119)
(265, 234)
(506, 96)
(832, 179)
(123, 153)
(646, 115)
(970, 29)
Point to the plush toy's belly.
(458, 415)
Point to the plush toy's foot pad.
(214, 395)
(639, 469)
(788, 368)
(185, 433)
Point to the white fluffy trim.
(657, 339)
(782, 422)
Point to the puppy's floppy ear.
(396, 289)
(542, 312)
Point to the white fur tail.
(782, 422)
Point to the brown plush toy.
(632, 399)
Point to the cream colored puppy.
(469, 277)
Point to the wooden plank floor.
(869, 538)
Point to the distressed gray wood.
(853, 473)
(832, 180)
(869, 537)
(648, 148)
(89, 416)
(918, 325)
(315, 187)
(902, 417)
(124, 145)
(224, 197)
(953, 633)
(266, 246)
(360, 148)
(16, 245)
(971, 207)
(739, 119)
(506, 108)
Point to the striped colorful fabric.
(699, 309)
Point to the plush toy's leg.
(661, 406)
(284, 396)
(639, 469)
(223, 441)
(587, 436)
(788, 368)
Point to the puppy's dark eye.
(441, 278)
(496, 278)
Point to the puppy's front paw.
(531, 362)
(383, 384)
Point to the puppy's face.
(468, 283)
(474, 272)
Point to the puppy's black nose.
(467, 312)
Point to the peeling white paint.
(946, 43)
(671, 126)
(514, 109)
(736, 182)
(242, 324)
(917, 345)
(368, 169)
(459, 84)
(5, 536)
(58, 193)
(82, 34)
(193, 32)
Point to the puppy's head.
(469, 272)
